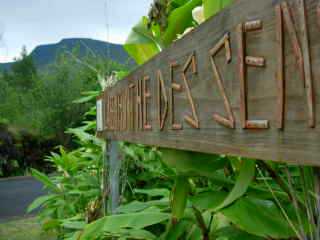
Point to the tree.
(24, 72)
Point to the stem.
(204, 229)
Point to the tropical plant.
(75, 195)
(168, 19)
(223, 199)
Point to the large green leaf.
(179, 20)
(247, 173)
(141, 45)
(118, 223)
(192, 163)
(259, 217)
(212, 7)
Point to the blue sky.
(35, 22)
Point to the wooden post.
(114, 166)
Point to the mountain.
(45, 54)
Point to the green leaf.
(121, 74)
(137, 206)
(131, 234)
(77, 225)
(155, 192)
(179, 20)
(192, 163)
(232, 233)
(51, 224)
(178, 3)
(180, 196)
(38, 202)
(117, 223)
(86, 99)
(85, 137)
(176, 231)
(74, 236)
(208, 200)
(258, 217)
(89, 96)
(141, 45)
(212, 7)
(45, 180)
(247, 173)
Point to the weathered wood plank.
(256, 63)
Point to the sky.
(35, 22)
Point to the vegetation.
(224, 198)
(37, 106)
(169, 194)
(43, 101)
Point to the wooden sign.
(246, 83)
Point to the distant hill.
(46, 54)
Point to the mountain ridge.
(45, 54)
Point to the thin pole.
(114, 176)
(104, 187)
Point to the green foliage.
(24, 73)
(166, 22)
(45, 180)
(75, 194)
(194, 163)
(179, 197)
(141, 43)
(149, 38)
(246, 175)
(266, 219)
(179, 20)
(42, 101)
(198, 207)
(37, 106)
(116, 224)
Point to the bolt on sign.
(246, 82)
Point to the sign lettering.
(243, 84)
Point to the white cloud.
(35, 22)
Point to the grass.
(23, 229)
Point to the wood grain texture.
(273, 94)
